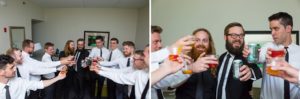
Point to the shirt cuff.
(253, 77)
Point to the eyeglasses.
(235, 36)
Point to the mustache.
(236, 41)
(201, 46)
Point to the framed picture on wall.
(90, 37)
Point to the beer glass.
(277, 55)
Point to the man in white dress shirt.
(139, 77)
(12, 87)
(113, 91)
(47, 57)
(32, 69)
(281, 25)
(125, 64)
(158, 56)
(101, 53)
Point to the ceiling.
(91, 3)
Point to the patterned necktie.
(219, 90)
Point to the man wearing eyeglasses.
(229, 87)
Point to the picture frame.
(90, 37)
(262, 37)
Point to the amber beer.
(64, 70)
(277, 55)
(174, 55)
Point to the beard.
(195, 53)
(126, 54)
(235, 51)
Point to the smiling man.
(227, 86)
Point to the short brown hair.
(80, 39)
(48, 44)
(140, 52)
(26, 43)
(4, 60)
(128, 43)
(284, 18)
(11, 51)
(230, 25)
(115, 39)
(156, 29)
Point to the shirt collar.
(48, 55)
(2, 85)
(25, 54)
(230, 54)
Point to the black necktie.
(159, 94)
(128, 62)
(7, 94)
(100, 52)
(219, 95)
(286, 83)
(18, 73)
(110, 55)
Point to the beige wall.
(16, 14)
(181, 17)
(142, 34)
(62, 24)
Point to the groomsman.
(83, 76)
(113, 89)
(47, 57)
(125, 64)
(229, 87)
(102, 53)
(32, 69)
(14, 87)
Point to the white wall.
(62, 24)
(17, 14)
(181, 17)
(142, 35)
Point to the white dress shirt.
(118, 63)
(116, 54)
(47, 58)
(95, 52)
(172, 80)
(18, 87)
(138, 78)
(273, 87)
(31, 69)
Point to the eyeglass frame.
(233, 35)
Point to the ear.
(289, 29)
(2, 72)
(225, 37)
